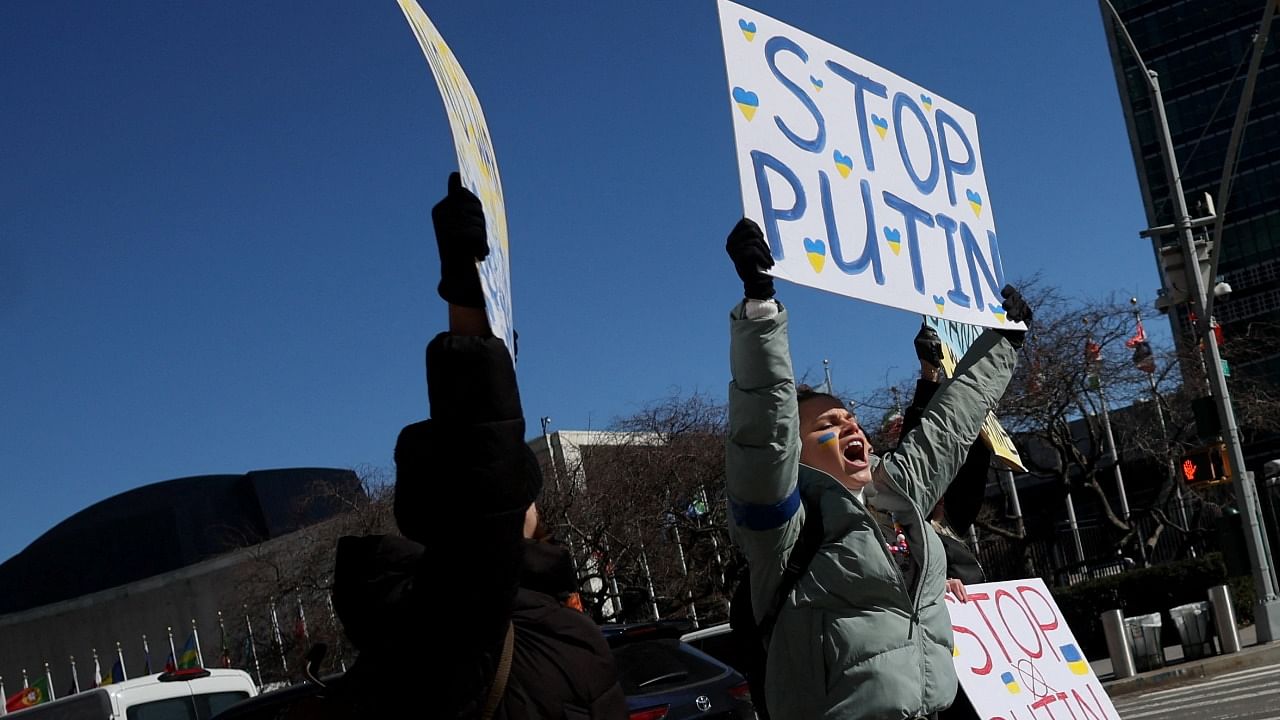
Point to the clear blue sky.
(215, 245)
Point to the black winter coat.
(443, 596)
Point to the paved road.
(1252, 694)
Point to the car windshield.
(656, 665)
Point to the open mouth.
(855, 453)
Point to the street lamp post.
(1267, 612)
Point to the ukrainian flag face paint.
(826, 438)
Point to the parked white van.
(194, 694)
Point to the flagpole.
(302, 618)
(25, 683)
(253, 648)
(48, 680)
(826, 372)
(97, 669)
(225, 660)
(124, 672)
(342, 661)
(75, 677)
(195, 632)
(275, 628)
(173, 651)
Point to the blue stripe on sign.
(765, 517)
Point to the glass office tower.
(1201, 51)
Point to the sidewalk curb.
(1256, 656)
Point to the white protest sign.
(865, 184)
(1017, 659)
(476, 162)
(956, 339)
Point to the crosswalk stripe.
(1227, 679)
(1217, 693)
(1189, 705)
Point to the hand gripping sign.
(956, 339)
(866, 184)
(476, 162)
(1017, 659)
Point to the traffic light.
(1208, 464)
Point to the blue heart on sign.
(817, 82)
(746, 97)
(939, 300)
(879, 122)
(973, 197)
(892, 235)
(928, 101)
(747, 26)
(817, 247)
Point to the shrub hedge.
(1149, 590)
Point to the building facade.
(1200, 50)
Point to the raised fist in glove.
(460, 237)
(929, 351)
(1016, 309)
(751, 257)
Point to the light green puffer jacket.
(851, 641)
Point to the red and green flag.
(29, 696)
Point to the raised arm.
(929, 456)
(763, 451)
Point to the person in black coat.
(443, 621)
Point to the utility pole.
(1267, 611)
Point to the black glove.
(460, 237)
(751, 257)
(1017, 310)
(929, 346)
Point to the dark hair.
(804, 393)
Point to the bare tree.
(642, 508)
(287, 583)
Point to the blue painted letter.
(910, 216)
(973, 255)
(956, 293)
(778, 44)
(925, 185)
(861, 83)
(949, 164)
(761, 160)
(871, 252)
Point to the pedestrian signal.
(1206, 465)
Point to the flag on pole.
(123, 674)
(97, 670)
(146, 655)
(75, 678)
(48, 682)
(189, 658)
(171, 662)
(275, 632)
(29, 696)
(1143, 357)
(1092, 352)
(1138, 337)
(225, 660)
(115, 675)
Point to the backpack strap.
(499, 685)
(802, 553)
